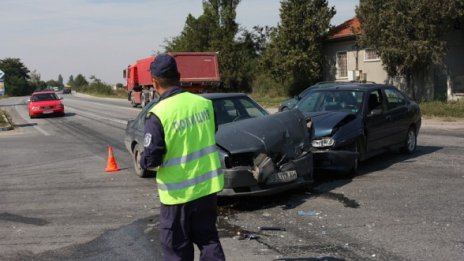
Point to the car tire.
(354, 169)
(410, 142)
(143, 173)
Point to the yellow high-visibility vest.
(191, 167)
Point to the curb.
(9, 126)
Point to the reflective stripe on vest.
(187, 183)
(192, 156)
(191, 167)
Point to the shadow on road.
(384, 161)
(325, 183)
(26, 125)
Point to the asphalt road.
(58, 203)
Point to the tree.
(16, 77)
(79, 82)
(35, 81)
(294, 55)
(53, 83)
(60, 80)
(70, 81)
(407, 34)
(215, 30)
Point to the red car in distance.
(45, 103)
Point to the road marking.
(95, 116)
(29, 121)
(107, 105)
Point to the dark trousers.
(183, 225)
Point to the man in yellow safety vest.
(180, 140)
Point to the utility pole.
(2, 85)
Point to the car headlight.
(323, 143)
(35, 108)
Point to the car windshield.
(332, 100)
(44, 97)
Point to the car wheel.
(410, 142)
(354, 169)
(143, 173)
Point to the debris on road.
(311, 213)
(272, 228)
(243, 236)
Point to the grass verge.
(453, 109)
(267, 101)
(5, 122)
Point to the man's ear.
(154, 81)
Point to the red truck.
(199, 72)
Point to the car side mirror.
(375, 112)
(28, 100)
(61, 98)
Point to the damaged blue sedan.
(352, 122)
(261, 154)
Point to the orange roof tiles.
(348, 28)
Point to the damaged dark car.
(352, 122)
(261, 154)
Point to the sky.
(102, 37)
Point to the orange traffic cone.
(111, 165)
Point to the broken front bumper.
(334, 160)
(242, 181)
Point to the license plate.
(283, 177)
(47, 111)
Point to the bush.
(265, 86)
(443, 109)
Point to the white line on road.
(95, 116)
(29, 121)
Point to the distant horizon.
(102, 37)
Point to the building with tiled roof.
(345, 60)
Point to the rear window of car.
(44, 97)
(235, 109)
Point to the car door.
(374, 121)
(397, 115)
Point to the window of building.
(342, 65)
(371, 55)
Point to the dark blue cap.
(164, 65)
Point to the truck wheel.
(133, 103)
(143, 101)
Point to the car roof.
(352, 86)
(222, 95)
(41, 92)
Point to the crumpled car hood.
(326, 123)
(279, 133)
